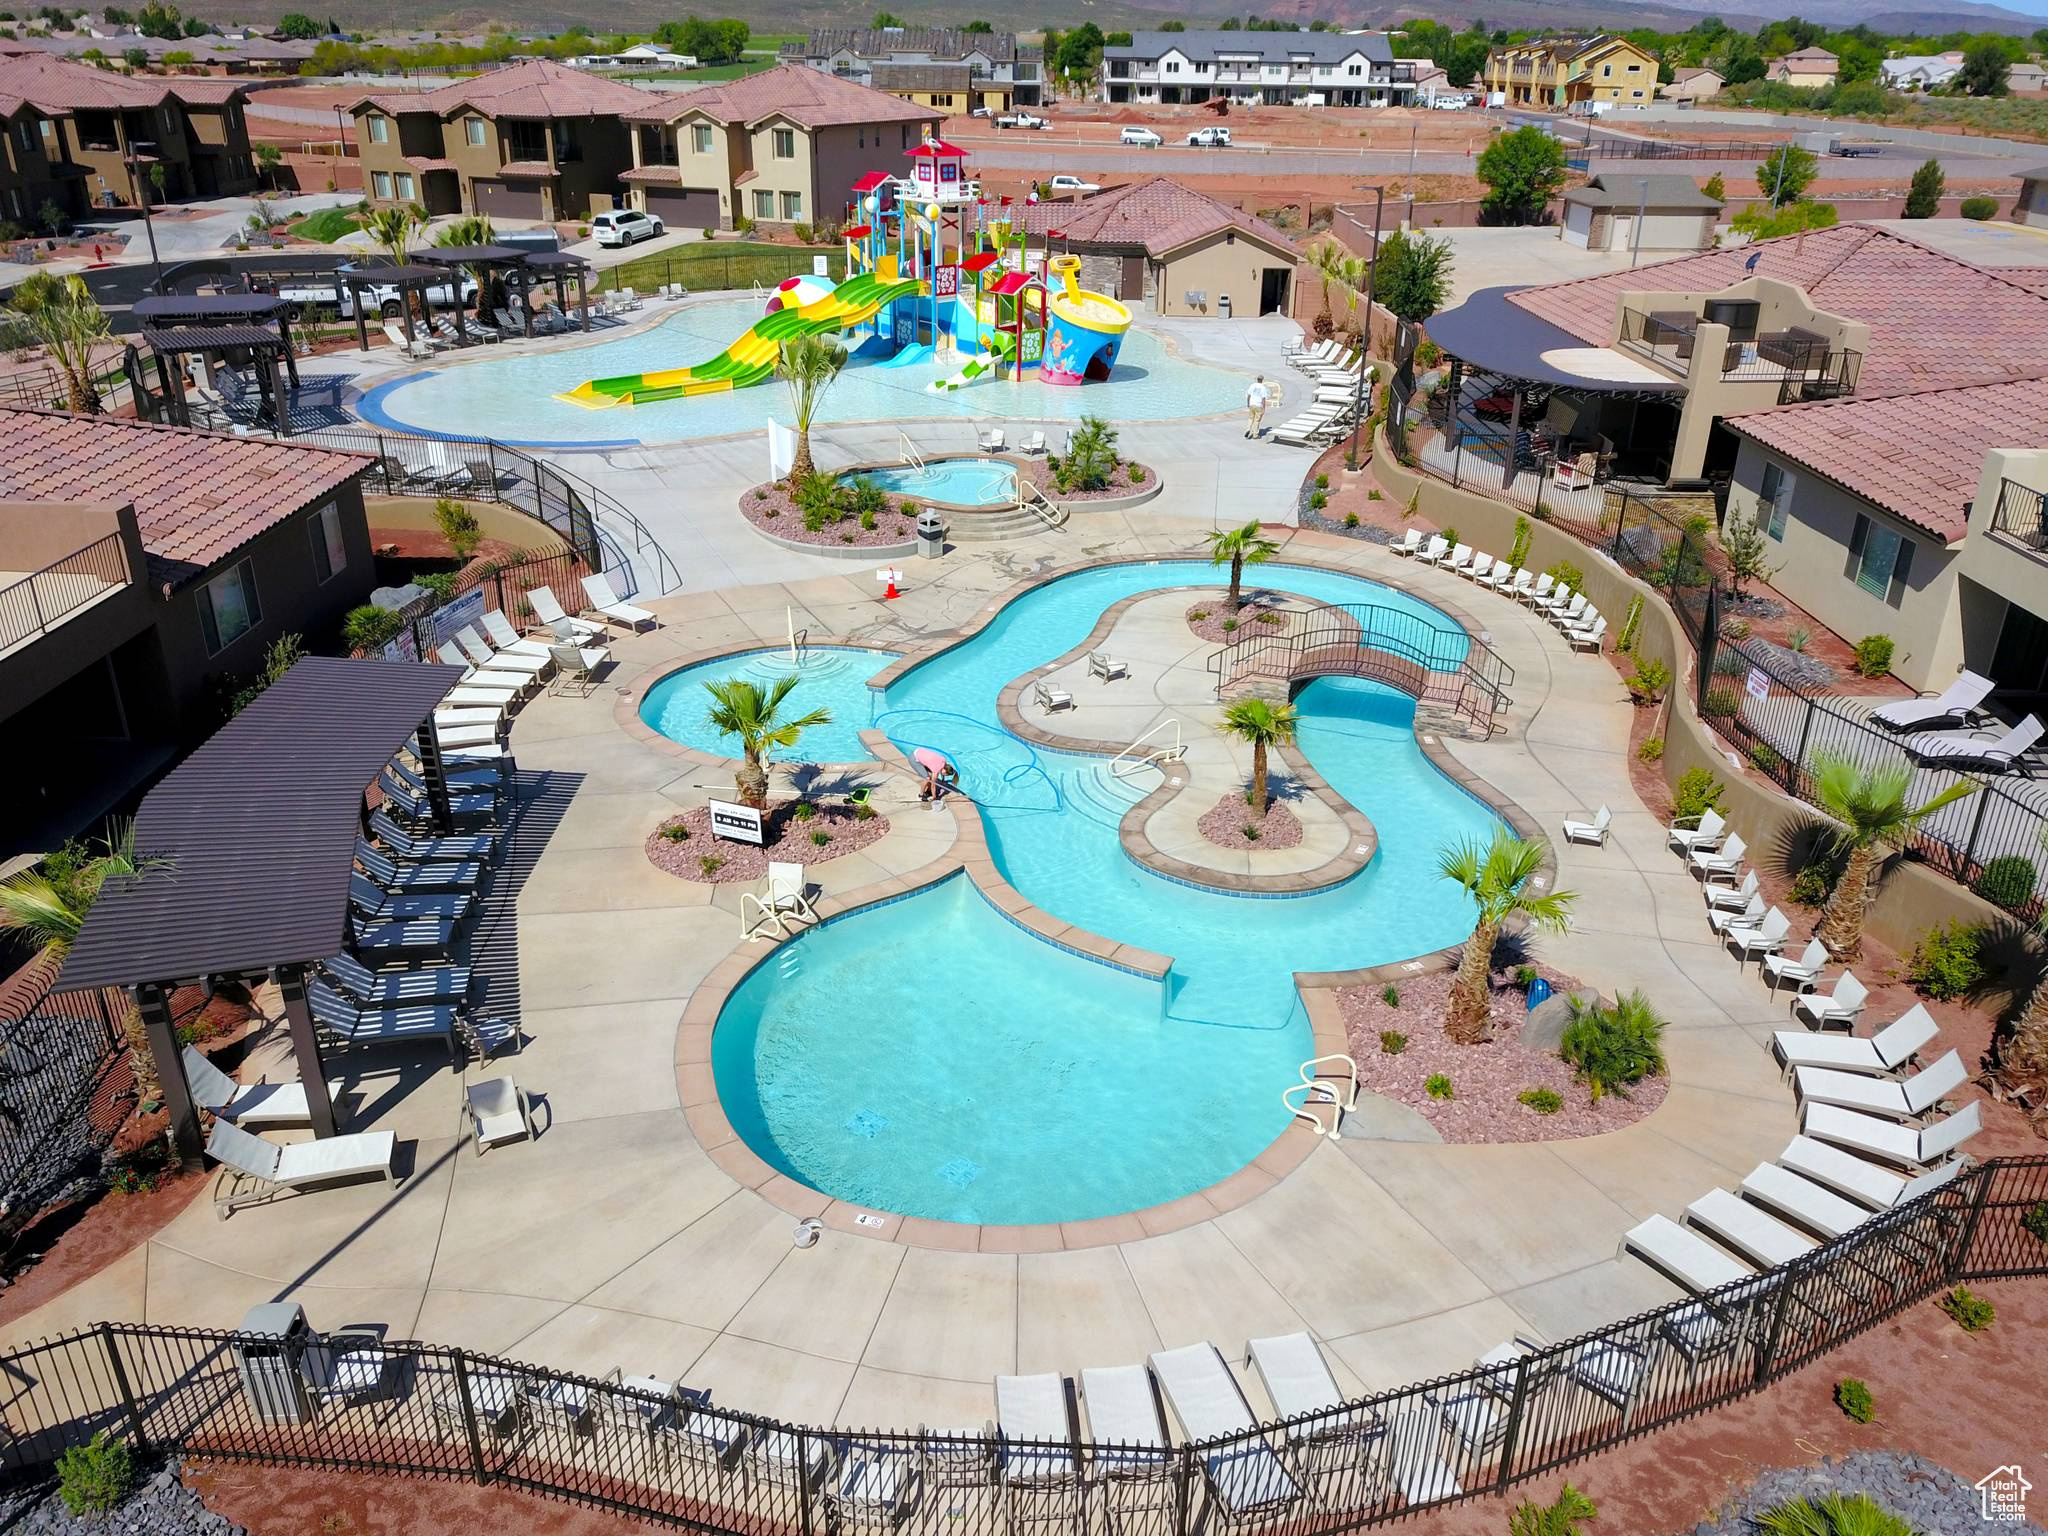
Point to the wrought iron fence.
(663, 1452)
(45, 598)
(2021, 514)
(707, 271)
(62, 1062)
(1608, 147)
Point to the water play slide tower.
(1084, 329)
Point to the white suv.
(1210, 138)
(626, 226)
(1144, 138)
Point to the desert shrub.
(1948, 962)
(1318, 500)
(1874, 655)
(1729, 662)
(2007, 881)
(1545, 1101)
(1559, 1519)
(1438, 1087)
(865, 500)
(1798, 639)
(94, 1477)
(1814, 883)
(1392, 1042)
(1350, 519)
(1972, 1313)
(1375, 494)
(1836, 1515)
(1526, 976)
(908, 509)
(2035, 1222)
(1565, 574)
(1613, 1048)
(1765, 757)
(1853, 1398)
(710, 864)
(1391, 995)
(675, 832)
(1450, 536)
(1652, 749)
(1322, 482)
(1735, 629)
(1720, 703)
(864, 812)
(369, 628)
(820, 837)
(1649, 680)
(804, 810)
(458, 526)
(440, 583)
(867, 522)
(1698, 791)
(1979, 208)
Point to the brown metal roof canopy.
(257, 829)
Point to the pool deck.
(617, 1239)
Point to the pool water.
(828, 678)
(510, 393)
(930, 1058)
(962, 482)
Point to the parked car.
(1450, 102)
(626, 226)
(316, 295)
(1210, 138)
(1073, 184)
(1021, 119)
(1144, 138)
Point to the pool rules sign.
(736, 823)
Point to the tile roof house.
(1343, 69)
(1563, 71)
(1621, 211)
(1807, 68)
(184, 555)
(931, 66)
(1695, 84)
(783, 146)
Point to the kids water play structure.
(932, 269)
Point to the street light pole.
(1372, 272)
(136, 182)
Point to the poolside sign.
(451, 616)
(736, 823)
(1758, 684)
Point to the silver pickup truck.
(333, 295)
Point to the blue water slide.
(916, 352)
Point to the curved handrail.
(1124, 764)
(1316, 1089)
(909, 451)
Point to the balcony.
(1800, 362)
(33, 603)
(2021, 517)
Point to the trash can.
(1223, 305)
(931, 534)
(267, 1354)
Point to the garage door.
(504, 200)
(685, 207)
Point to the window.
(1635, 69)
(700, 138)
(1879, 560)
(785, 142)
(1172, 68)
(764, 205)
(473, 130)
(1635, 93)
(1606, 70)
(792, 207)
(228, 608)
(380, 130)
(1774, 501)
(380, 183)
(405, 186)
(1354, 70)
(329, 553)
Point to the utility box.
(931, 534)
(1223, 305)
(269, 1362)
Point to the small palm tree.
(1355, 272)
(1870, 804)
(1328, 260)
(808, 365)
(1238, 548)
(47, 904)
(393, 229)
(1264, 724)
(1496, 876)
(470, 229)
(60, 315)
(740, 708)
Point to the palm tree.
(393, 229)
(739, 708)
(1328, 260)
(1496, 876)
(808, 365)
(1354, 272)
(1264, 724)
(60, 315)
(1238, 548)
(47, 904)
(1870, 804)
(470, 229)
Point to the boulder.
(1544, 1027)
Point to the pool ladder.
(1131, 759)
(908, 449)
(1315, 1091)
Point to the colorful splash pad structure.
(932, 270)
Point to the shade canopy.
(173, 340)
(1489, 333)
(250, 841)
(472, 255)
(207, 308)
(554, 261)
(396, 277)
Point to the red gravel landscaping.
(1485, 1079)
(1260, 614)
(1224, 826)
(790, 841)
(772, 509)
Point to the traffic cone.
(892, 594)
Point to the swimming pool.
(972, 1065)
(829, 677)
(509, 394)
(957, 482)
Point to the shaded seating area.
(519, 272)
(199, 342)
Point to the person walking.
(1255, 400)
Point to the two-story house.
(1559, 72)
(32, 176)
(941, 67)
(532, 140)
(781, 147)
(103, 130)
(1339, 69)
(1807, 68)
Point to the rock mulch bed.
(772, 509)
(160, 1505)
(1927, 1497)
(790, 841)
(1261, 614)
(1128, 477)
(1225, 825)
(1794, 667)
(1485, 1079)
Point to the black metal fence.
(1608, 147)
(60, 1055)
(702, 271)
(663, 1452)
(42, 598)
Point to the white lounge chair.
(498, 1110)
(1723, 863)
(1840, 1006)
(576, 667)
(1307, 426)
(548, 609)
(1594, 831)
(1766, 938)
(476, 680)
(1537, 592)
(1876, 1137)
(1434, 551)
(1958, 704)
(1761, 1238)
(1612, 1371)
(1101, 664)
(1247, 1480)
(1901, 1099)
(1460, 559)
(246, 1104)
(429, 849)
(1721, 919)
(598, 588)
(1861, 1179)
(345, 1022)
(411, 877)
(1050, 698)
(1591, 637)
(1884, 1054)
(1408, 543)
(1520, 588)
(990, 441)
(419, 348)
(387, 989)
(1416, 1459)
(1722, 898)
(1295, 1375)
(345, 1366)
(1034, 443)
(1707, 831)
(1503, 576)
(1036, 1421)
(1480, 568)
(509, 642)
(1564, 616)
(1475, 1410)
(1129, 1460)
(254, 1170)
(523, 663)
(1801, 973)
(1686, 1257)
(1559, 601)
(1997, 755)
(1816, 1208)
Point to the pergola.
(249, 846)
(487, 259)
(177, 325)
(561, 265)
(408, 280)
